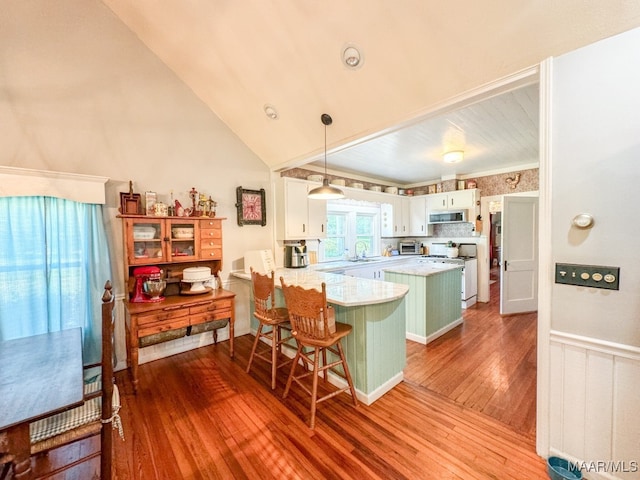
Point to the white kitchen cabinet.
(418, 216)
(370, 272)
(297, 216)
(401, 216)
(393, 222)
(458, 200)
(374, 270)
(386, 220)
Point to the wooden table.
(178, 314)
(39, 376)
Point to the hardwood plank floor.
(488, 364)
(460, 414)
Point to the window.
(351, 225)
(336, 241)
(54, 260)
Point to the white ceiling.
(238, 56)
(494, 134)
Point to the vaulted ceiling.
(238, 56)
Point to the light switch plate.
(594, 276)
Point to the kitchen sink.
(363, 260)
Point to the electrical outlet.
(593, 276)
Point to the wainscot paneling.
(595, 397)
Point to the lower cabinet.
(370, 272)
(149, 323)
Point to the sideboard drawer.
(161, 316)
(210, 232)
(212, 307)
(164, 326)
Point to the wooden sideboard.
(173, 244)
(180, 315)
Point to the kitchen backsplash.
(453, 230)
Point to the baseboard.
(430, 338)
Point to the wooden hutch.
(173, 244)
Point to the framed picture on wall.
(251, 205)
(431, 189)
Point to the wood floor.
(488, 364)
(465, 411)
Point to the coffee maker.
(295, 256)
(148, 285)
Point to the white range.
(467, 257)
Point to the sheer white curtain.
(54, 260)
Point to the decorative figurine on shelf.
(212, 206)
(193, 194)
(179, 209)
(171, 209)
(204, 205)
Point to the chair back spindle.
(308, 311)
(317, 333)
(272, 323)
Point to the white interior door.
(519, 263)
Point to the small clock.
(251, 207)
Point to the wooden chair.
(272, 321)
(314, 327)
(101, 406)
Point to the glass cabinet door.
(145, 237)
(183, 244)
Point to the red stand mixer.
(149, 285)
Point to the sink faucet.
(364, 249)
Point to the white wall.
(80, 93)
(595, 334)
(596, 169)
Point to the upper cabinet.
(158, 240)
(458, 200)
(394, 211)
(418, 225)
(297, 216)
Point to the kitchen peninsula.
(376, 348)
(433, 301)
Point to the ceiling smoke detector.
(271, 112)
(351, 57)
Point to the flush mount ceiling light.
(453, 156)
(326, 191)
(352, 57)
(271, 112)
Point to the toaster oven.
(409, 248)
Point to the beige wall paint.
(80, 93)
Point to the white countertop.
(345, 264)
(422, 269)
(341, 290)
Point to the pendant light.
(326, 191)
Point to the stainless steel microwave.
(448, 217)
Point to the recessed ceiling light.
(271, 112)
(351, 56)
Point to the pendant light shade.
(326, 191)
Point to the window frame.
(351, 210)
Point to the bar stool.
(316, 331)
(268, 315)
